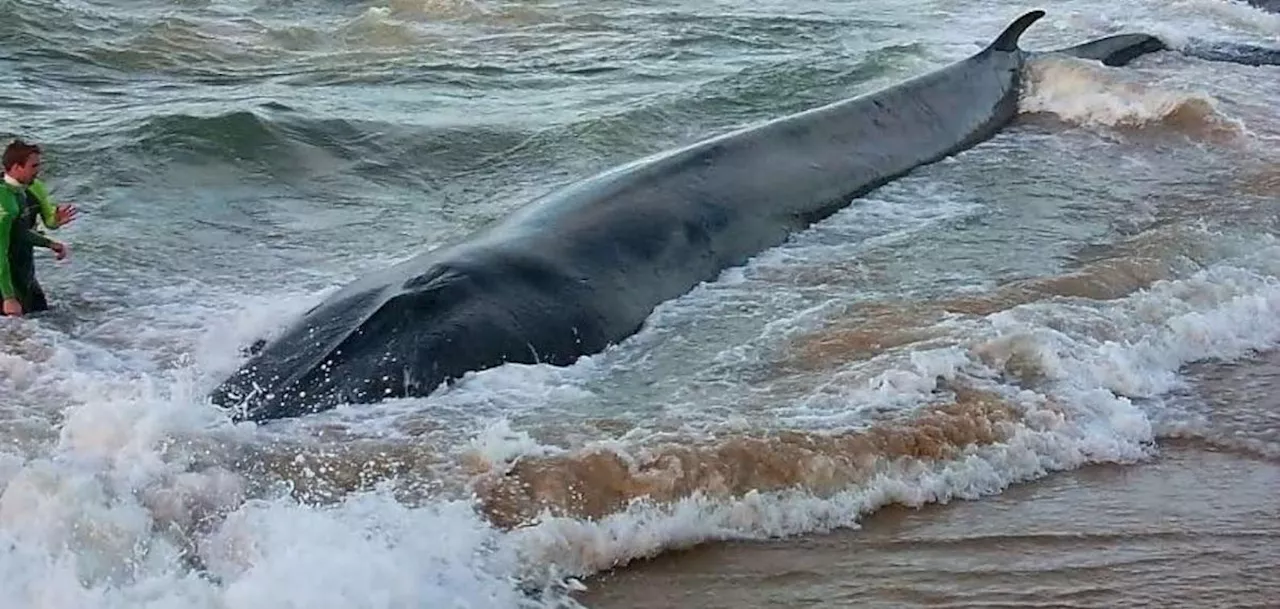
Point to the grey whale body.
(1271, 6)
(582, 268)
(1122, 49)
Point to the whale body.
(581, 268)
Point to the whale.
(1232, 52)
(1123, 49)
(1270, 6)
(581, 268)
(1115, 51)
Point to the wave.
(141, 479)
(1086, 94)
(276, 140)
(1034, 387)
(576, 138)
(226, 46)
(596, 484)
(1217, 441)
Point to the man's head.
(22, 161)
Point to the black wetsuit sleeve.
(35, 238)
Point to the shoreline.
(1191, 528)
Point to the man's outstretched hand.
(59, 250)
(65, 213)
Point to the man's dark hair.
(18, 152)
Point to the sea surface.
(1041, 373)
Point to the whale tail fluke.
(1008, 39)
(1116, 50)
(1121, 49)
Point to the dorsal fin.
(1008, 40)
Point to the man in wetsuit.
(23, 199)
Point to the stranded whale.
(583, 267)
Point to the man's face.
(27, 172)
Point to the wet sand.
(1195, 527)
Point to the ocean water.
(1095, 284)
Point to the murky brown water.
(1195, 528)
(1198, 526)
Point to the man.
(23, 198)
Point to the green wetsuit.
(19, 210)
